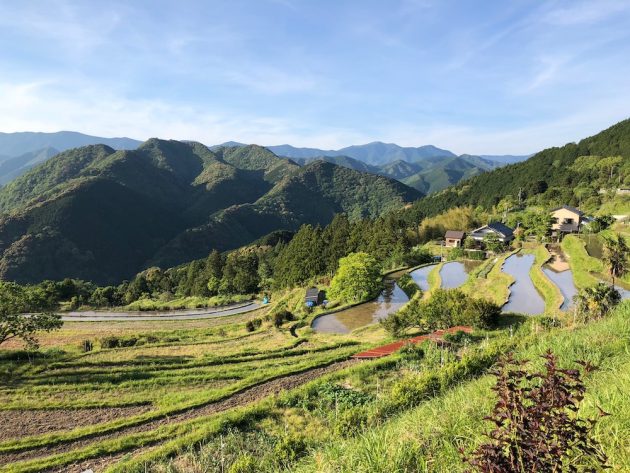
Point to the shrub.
(351, 421)
(596, 302)
(536, 427)
(412, 389)
(245, 463)
(253, 325)
(128, 341)
(411, 351)
(482, 313)
(476, 255)
(288, 449)
(110, 342)
(456, 253)
(282, 316)
(460, 337)
(446, 308)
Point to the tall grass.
(581, 263)
(428, 438)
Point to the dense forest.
(551, 177)
(103, 215)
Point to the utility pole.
(520, 196)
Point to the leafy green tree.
(491, 242)
(105, 297)
(615, 256)
(240, 274)
(358, 278)
(24, 311)
(214, 285)
(470, 243)
(537, 224)
(595, 302)
(446, 308)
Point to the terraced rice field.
(64, 410)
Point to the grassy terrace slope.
(402, 413)
(427, 437)
(69, 406)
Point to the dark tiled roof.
(569, 208)
(503, 229)
(454, 234)
(498, 227)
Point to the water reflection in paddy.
(391, 299)
(524, 297)
(455, 273)
(564, 281)
(420, 275)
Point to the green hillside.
(548, 174)
(313, 194)
(103, 215)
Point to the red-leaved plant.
(536, 423)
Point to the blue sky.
(487, 77)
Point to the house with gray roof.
(504, 233)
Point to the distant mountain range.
(20, 151)
(427, 175)
(548, 173)
(16, 144)
(375, 153)
(10, 168)
(103, 215)
(426, 168)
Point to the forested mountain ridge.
(103, 215)
(313, 195)
(430, 174)
(548, 174)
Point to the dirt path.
(242, 398)
(23, 423)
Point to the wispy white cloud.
(63, 25)
(547, 71)
(51, 106)
(585, 12)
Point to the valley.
(238, 355)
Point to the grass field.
(402, 414)
(210, 395)
(69, 405)
(494, 286)
(548, 290)
(581, 263)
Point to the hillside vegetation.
(104, 215)
(550, 176)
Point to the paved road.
(192, 314)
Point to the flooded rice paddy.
(390, 300)
(524, 298)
